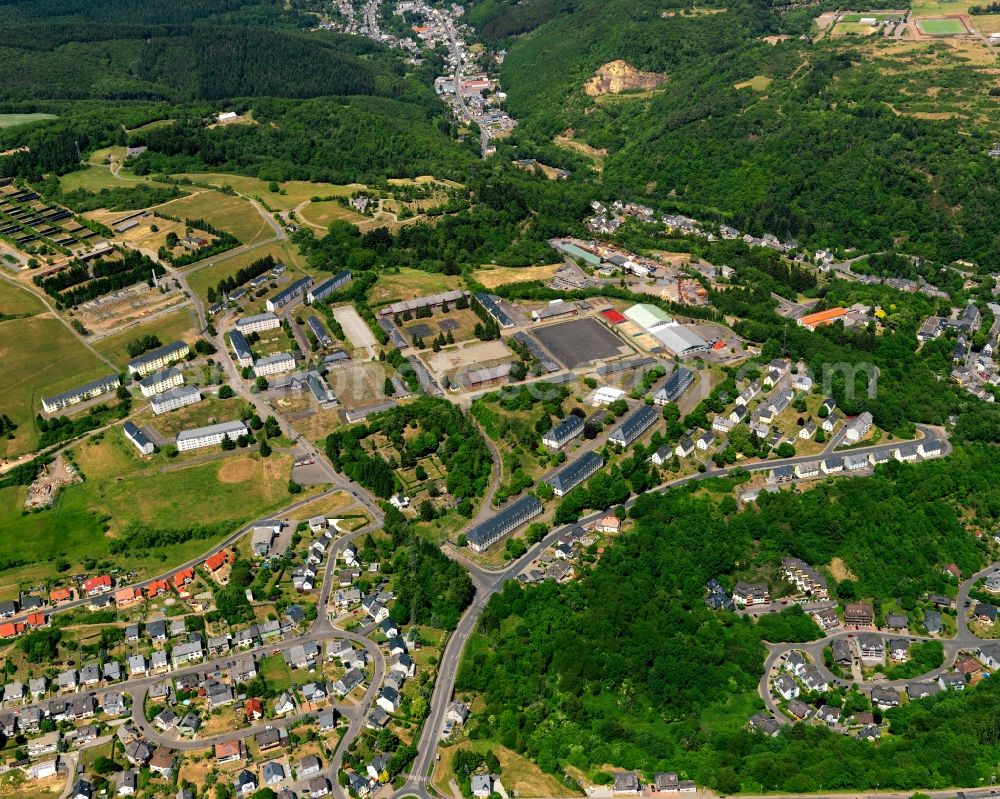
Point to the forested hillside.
(628, 667)
(254, 49)
(833, 142)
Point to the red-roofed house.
(953, 570)
(183, 577)
(229, 751)
(59, 595)
(10, 629)
(609, 524)
(97, 585)
(156, 588)
(127, 597)
(37, 619)
(216, 561)
(254, 709)
(719, 345)
(613, 316)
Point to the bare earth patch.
(238, 470)
(620, 76)
(840, 571)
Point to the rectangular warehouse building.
(327, 287)
(484, 535)
(679, 340)
(81, 393)
(210, 436)
(294, 294)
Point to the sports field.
(947, 26)
(580, 341)
(40, 357)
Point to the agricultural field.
(406, 284)
(170, 327)
(223, 211)
(13, 120)
(40, 357)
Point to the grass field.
(880, 16)
(200, 414)
(13, 120)
(201, 280)
(494, 276)
(95, 178)
(18, 301)
(409, 283)
(516, 772)
(171, 327)
(321, 214)
(292, 194)
(758, 83)
(224, 211)
(119, 488)
(275, 672)
(40, 357)
(942, 27)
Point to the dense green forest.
(822, 154)
(628, 667)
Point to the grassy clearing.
(171, 327)
(292, 194)
(758, 83)
(409, 283)
(120, 488)
(275, 672)
(493, 276)
(95, 178)
(223, 211)
(516, 772)
(13, 120)
(209, 411)
(321, 214)
(15, 301)
(40, 357)
(201, 280)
